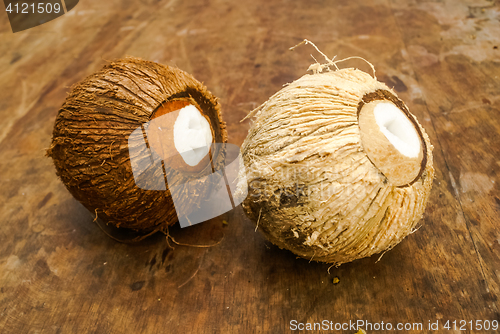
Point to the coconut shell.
(312, 188)
(90, 142)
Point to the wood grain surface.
(59, 273)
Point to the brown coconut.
(323, 181)
(90, 142)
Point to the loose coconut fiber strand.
(312, 188)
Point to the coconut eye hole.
(391, 141)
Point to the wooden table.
(60, 274)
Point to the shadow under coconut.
(239, 267)
(177, 252)
(132, 265)
(310, 290)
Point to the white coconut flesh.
(181, 135)
(391, 141)
(397, 128)
(192, 135)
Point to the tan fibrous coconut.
(94, 135)
(337, 167)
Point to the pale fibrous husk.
(90, 146)
(312, 189)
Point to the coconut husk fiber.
(90, 146)
(312, 189)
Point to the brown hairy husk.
(90, 140)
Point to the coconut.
(123, 131)
(337, 167)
